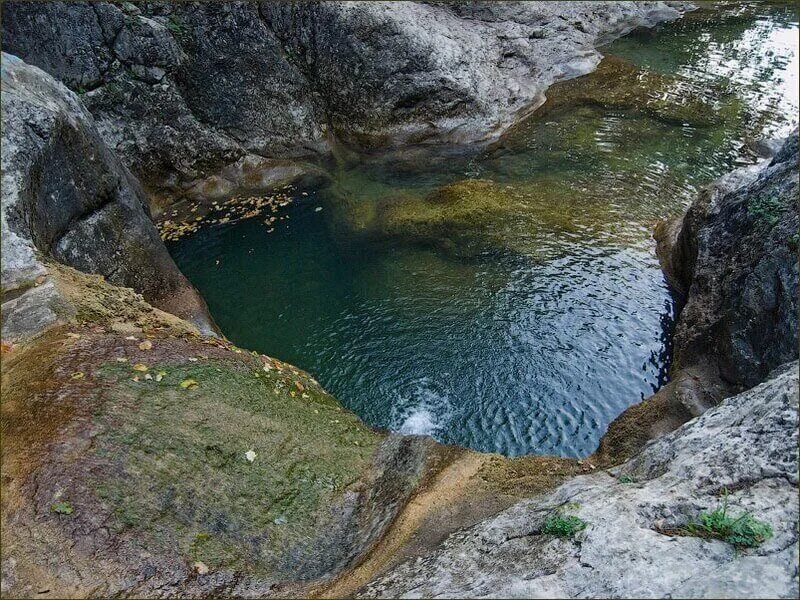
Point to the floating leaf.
(146, 345)
(188, 384)
(140, 367)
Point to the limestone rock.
(734, 254)
(747, 445)
(183, 90)
(66, 196)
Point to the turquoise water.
(528, 321)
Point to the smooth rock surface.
(66, 196)
(747, 445)
(183, 90)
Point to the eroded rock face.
(734, 254)
(66, 196)
(733, 257)
(183, 91)
(747, 445)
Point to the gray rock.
(734, 254)
(66, 197)
(748, 444)
(183, 90)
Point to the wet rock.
(121, 480)
(733, 258)
(745, 446)
(734, 255)
(67, 197)
(181, 91)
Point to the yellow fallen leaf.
(77, 375)
(122, 359)
(200, 567)
(160, 375)
(74, 336)
(188, 384)
(140, 367)
(146, 345)
(299, 386)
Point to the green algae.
(177, 471)
(619, 85)
(534, 218)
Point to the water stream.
(510, 300)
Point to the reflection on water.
(519, 308)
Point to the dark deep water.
(536, 342)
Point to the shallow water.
(531, 331)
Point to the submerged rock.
(183, 91)
(741, 455)
(67, 197)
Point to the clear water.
(530, 330)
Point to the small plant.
(627, 479)
(175, 26)
(62, 508)
(743, 531)
(765, 208)
(563, 526)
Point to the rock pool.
(508, 298)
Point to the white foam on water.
(421, 410)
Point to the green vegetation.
(743, 531)
(239, 464)
(627, 479)
(175, 26)
(62, 508)
(563, 526)
(767, 209)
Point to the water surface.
(531, 331)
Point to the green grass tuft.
(743, 531)
(563, 526)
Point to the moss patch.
(185, 474)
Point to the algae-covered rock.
(134, 448)
(536, 218)
(620, 85)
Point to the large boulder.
(67, 197)
(142, 459)
(192, 94)
(740, 456)
(734, 255)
